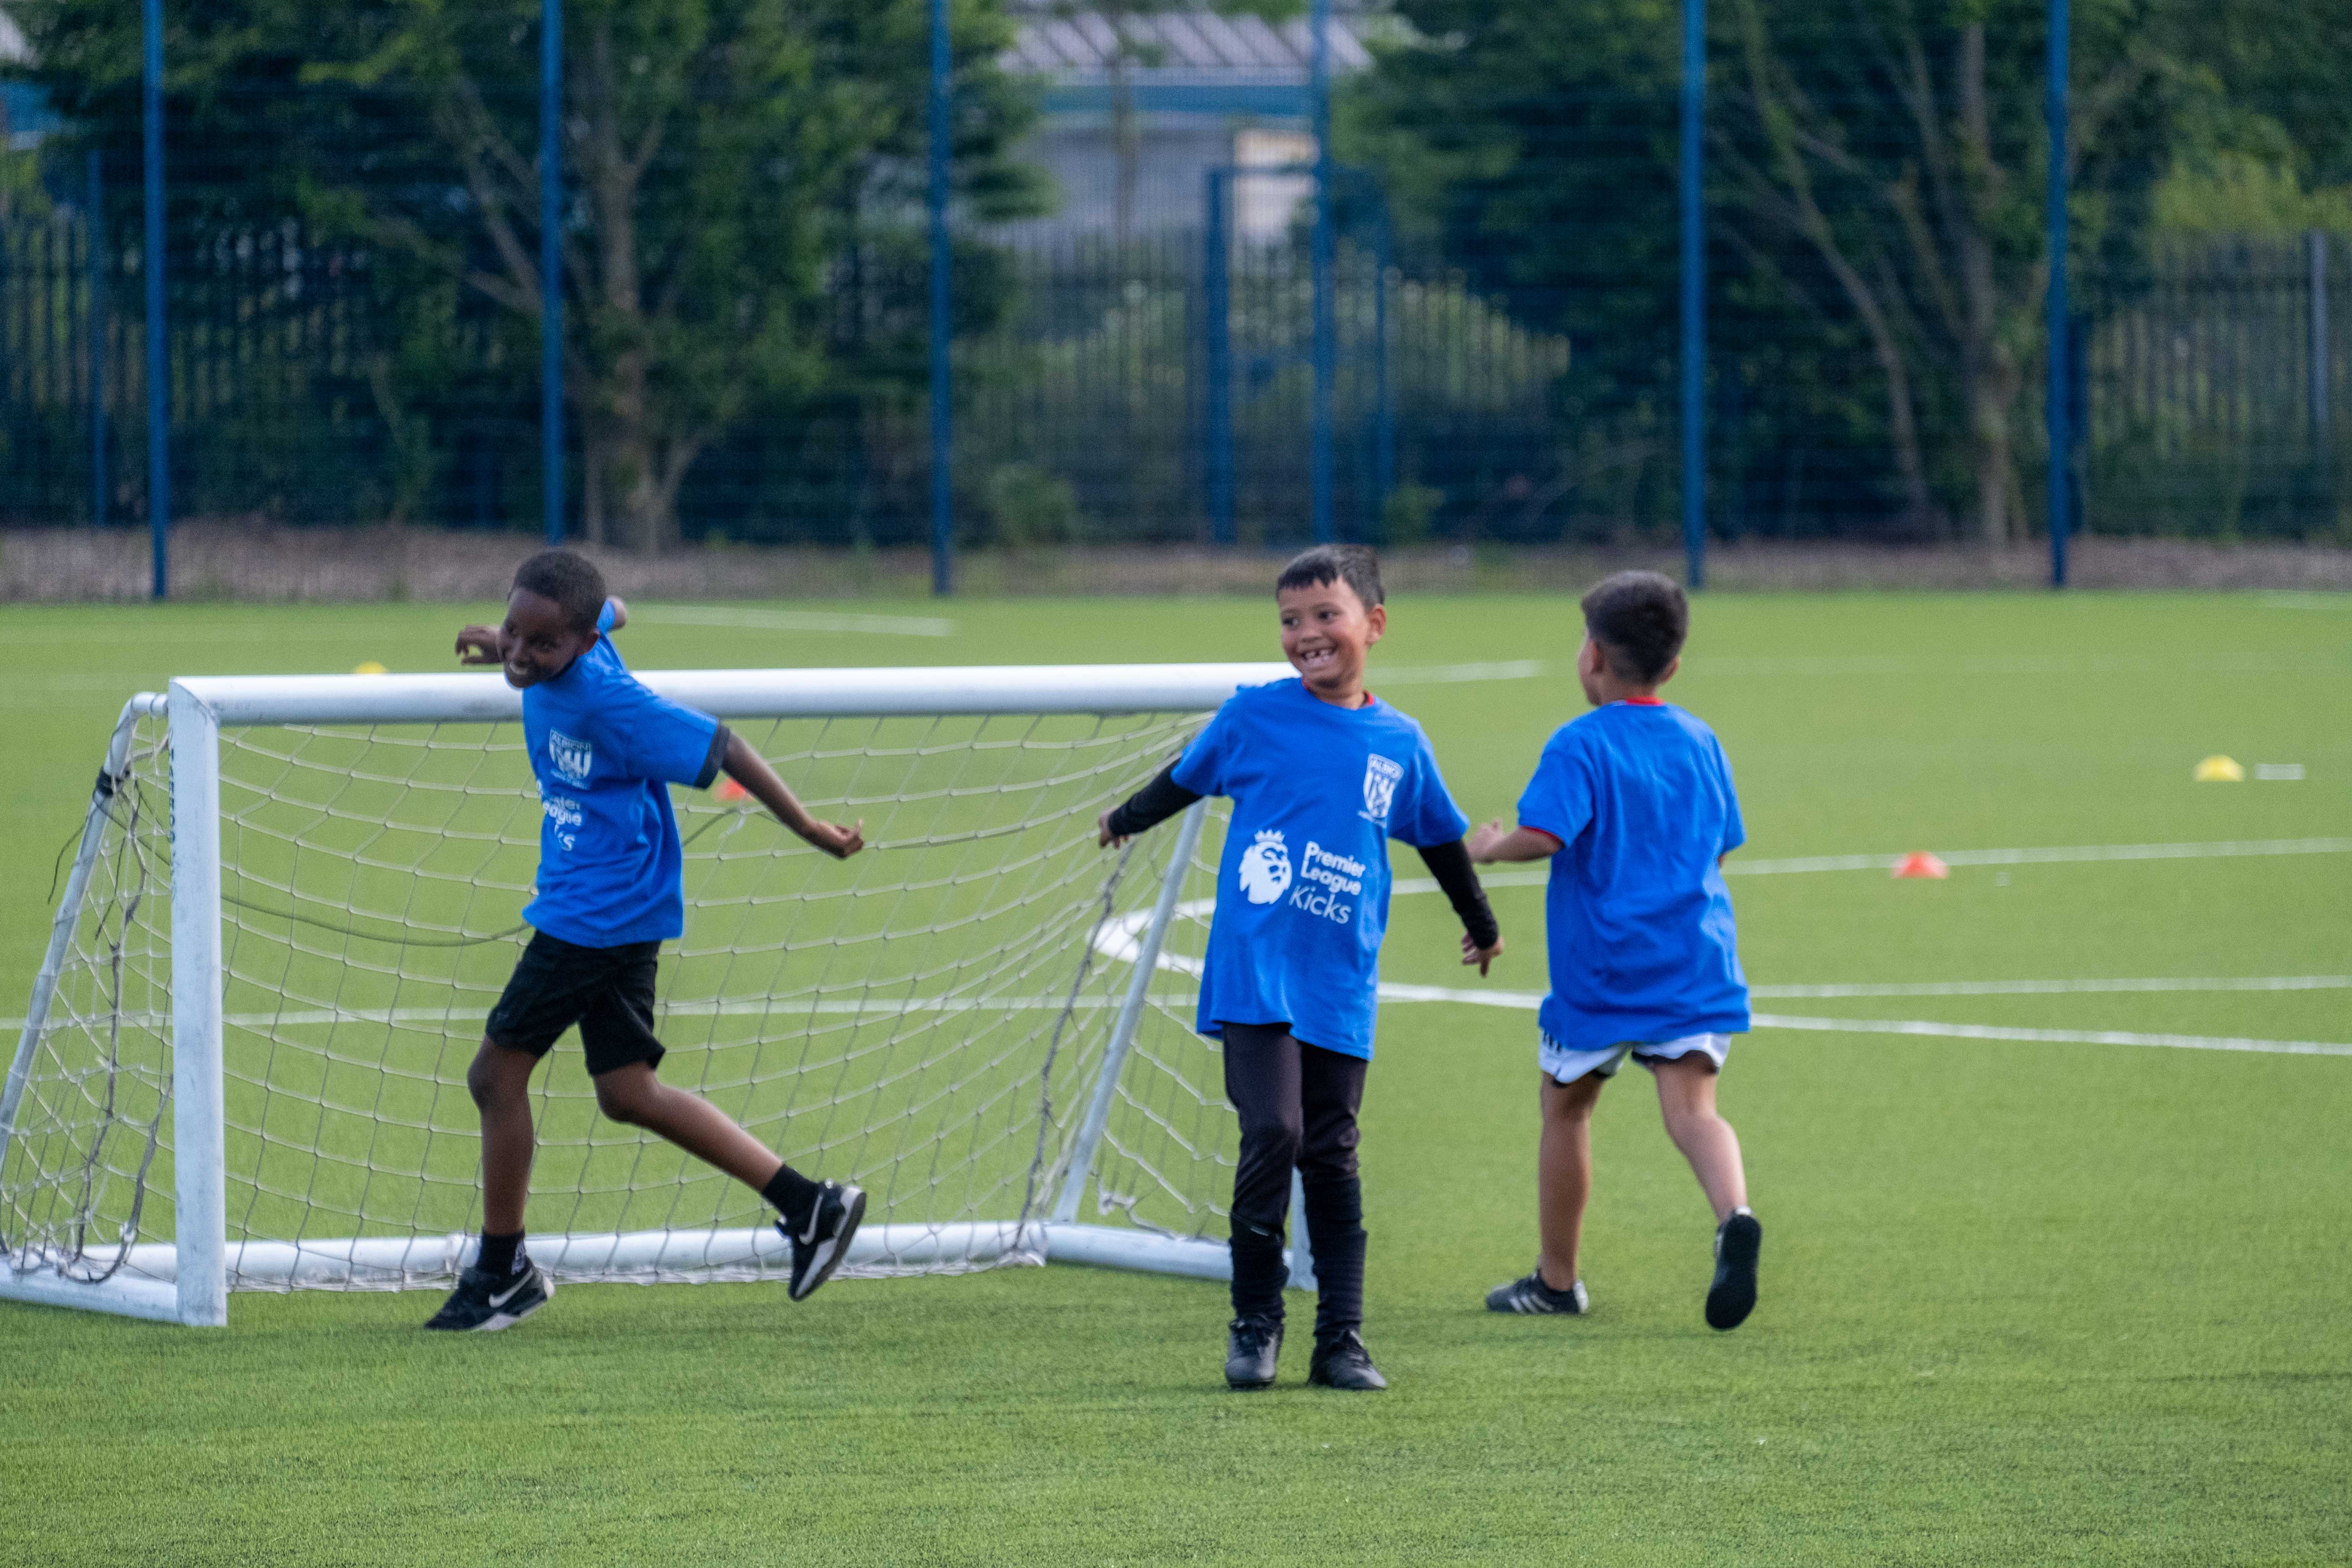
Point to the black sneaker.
(488, 1302)
(1732, 1295)
(1252, 1347)
(819, 1248)
(1532, 1295)
(1344, 1363)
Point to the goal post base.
(156, 1299)
(148, 1284)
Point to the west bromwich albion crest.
(571, 758)
(1381, 777)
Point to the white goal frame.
(186, 1280)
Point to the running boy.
(1322, 774)
(606, 749)
(1633, 808)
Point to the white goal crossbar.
(187, 1279)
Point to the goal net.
(295, 899)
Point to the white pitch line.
(2051, 1036)
(1528, 1000)
(2223, 849)
(2058, 988)
(792, 620)
(1446, 673)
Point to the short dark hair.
(1354, 564)
(1639, 620)
(571, 581)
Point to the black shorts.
(607, 991)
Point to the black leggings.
(1297, 1106)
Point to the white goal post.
(294, 897)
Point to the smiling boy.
(605, 750)
(1321, 775)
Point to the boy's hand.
(1481, 956)
(835, 840)
(1483, 840)
(1104, 837)
(481, 645)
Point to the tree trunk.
(1991, 398)
(1989, 374)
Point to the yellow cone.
(369, 667)
(2220, 770)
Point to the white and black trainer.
(1732, 1295)
(1342, 1362)
(1532, 1295)
(1253, 1346)
(485, 1303)
(819, 1247)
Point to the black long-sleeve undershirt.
(1163, 798)
(1450, 864)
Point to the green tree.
(721, 156)
(1875, 173)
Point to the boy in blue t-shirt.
(605, 750)
(1632, 805)
(1321, 775)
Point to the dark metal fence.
(1129, 393)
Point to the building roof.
(1196, 48)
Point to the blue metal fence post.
(2056, 396)
(1383, 404)
(1217, 324)
(159, 390)
(551, 264)
(942, 321)
(94, 285)
(1693, 295)
(1327, 322)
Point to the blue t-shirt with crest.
(605, 750)
(1303, 888)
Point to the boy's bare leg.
(1564, 1175)
(499, 1081)
(1686, 1099)
(632, 1094)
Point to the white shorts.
(1564, 1065)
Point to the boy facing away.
(1633, 805)
(1321, 775)
(605, 750)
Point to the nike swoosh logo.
(512, 1290)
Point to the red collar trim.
(1642, 701)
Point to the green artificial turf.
(2022, 1302)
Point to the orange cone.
(729, 791)
(1919, 863)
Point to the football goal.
(295, 899)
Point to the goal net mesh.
(926, 1019)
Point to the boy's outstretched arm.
(750, 769)
(1491, 843)
(1482, 939)
(481, 645)
(1154, 804)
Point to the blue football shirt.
(1636, 917)
(1303, 888)
(605, 750)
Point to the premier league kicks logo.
(1381, 777)
(1265, 868)
(570, 758)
